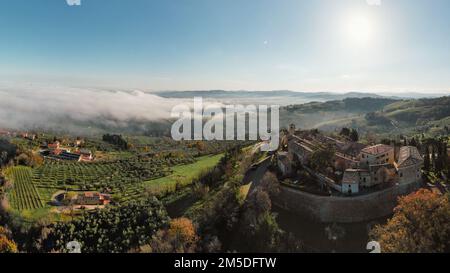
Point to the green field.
(182, 174)
(24, 195)
(122, 177)
(129, 180)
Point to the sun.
(359, 29)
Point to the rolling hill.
(382, 116)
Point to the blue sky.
(302, 45)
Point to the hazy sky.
(303, 45)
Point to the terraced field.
(24, 195)
(118, 176)
(126, 180)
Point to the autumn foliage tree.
(421, 223)
(180, 237)
(6, 244)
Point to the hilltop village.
(345, 166)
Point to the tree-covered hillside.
(377, 115)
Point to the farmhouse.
(85, 155)
(66, 155)
(53, 146)
(87, 198)
(55, 151)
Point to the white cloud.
(44, 106)
(73, 2)
(374, 2)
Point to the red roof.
(53, 145)
(90, 194)
(57, 151)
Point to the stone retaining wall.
(344, 209)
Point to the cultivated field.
(127, 180)
(24, 195)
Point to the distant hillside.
(378, 115)
(319, 114)
(414, 116)
(366, 104)
(418, 112)
(222, 94)
(303, 96)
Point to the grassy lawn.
(182, 174)
(99, 155)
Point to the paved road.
(256, 175)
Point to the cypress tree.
(426, 162)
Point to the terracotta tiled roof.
(351, 176)
(377, 149)
(89, 194)
(53, 145)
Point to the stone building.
(409, 164)
(376, 155)
(350, 181)
(378, 167)
(300, 148)
(284, 163)
(358, 165)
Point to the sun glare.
(359, 29)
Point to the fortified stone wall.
(344, 209)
